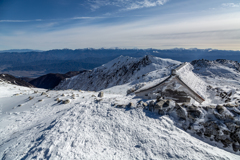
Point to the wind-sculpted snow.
(120, 71)
(92, 128)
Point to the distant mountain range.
(32, 63)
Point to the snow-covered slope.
(219, 72)
(36, 125)
(120, 71)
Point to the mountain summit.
(120, 71)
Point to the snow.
(86, 129)
(194, 82)
(12, 89)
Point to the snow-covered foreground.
(89, 127)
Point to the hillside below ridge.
(51, 80)
(218, 62)
(220, 72)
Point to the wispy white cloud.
(126, 4)
(19, 21)
(86, 18)
(233, 5)
(146, 4)
(216, 31)
(10, 21)
(41, 20)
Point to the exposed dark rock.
(131, 105)
(231, 126)
(120, 106)
(51, 80)
(100, 94)
(226, 142)
(159, 105)
(236, 135)
(181, 112)
(66, 101)
(211, 128)
(220, 109)
(151, 106)
(193, 112)
(223, 113)
(235, 147)
(221, 126)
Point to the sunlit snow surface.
(86, 129)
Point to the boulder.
(66, 101)
(151, 106)
(144, 104)
(229, 105)
(181, 112)
(193, 112)
(130, 105)
(231, 126)
(235, 147)
(223, 113)
(100, 94)
(43, 93)
(220, 109)
(159, 105)
(227, 142)
(211, 128)
(30, 98)
(236, 135)
(120, 106)
(163, 106)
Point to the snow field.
(90, 129)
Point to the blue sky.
(160, 24)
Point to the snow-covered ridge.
(120, 71)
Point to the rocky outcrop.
(219, 124)
(100, 94)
